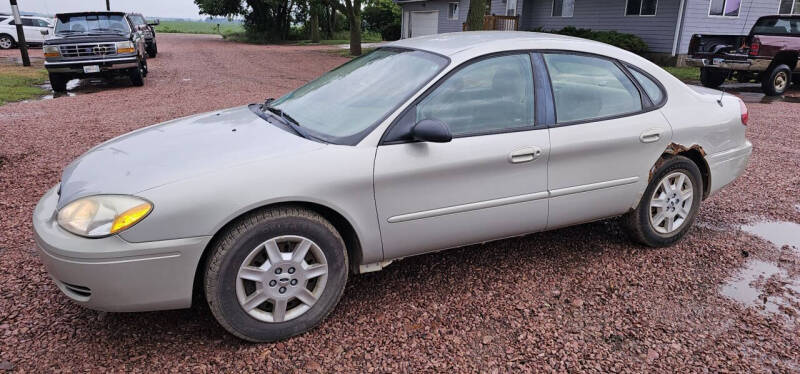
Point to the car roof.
(90, 13)
(452, 43)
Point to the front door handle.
(524, 155)
(650, 136)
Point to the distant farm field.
(196, 27)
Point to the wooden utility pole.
(23, 46)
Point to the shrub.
(391, 32)
(628, 42)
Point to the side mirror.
(154, 22)
(431, 130)
(45, 32)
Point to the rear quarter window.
(651, 88)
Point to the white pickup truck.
(34, 28)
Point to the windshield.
(345, 103)
(92, 23)
(777, 26)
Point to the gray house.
(666, 25)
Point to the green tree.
(267, 19)
(477, 9)
(378, 14)
(352, 10)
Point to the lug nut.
(293, 282)
(282, 290)
(272, 283)
(278, 271)
(291, 270)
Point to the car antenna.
(730, 72)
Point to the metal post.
(108, 5)
(23, 46)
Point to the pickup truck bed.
(768, 54)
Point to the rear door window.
(587, 88)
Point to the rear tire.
(137, 75)
(6, 41)
(712, 77)
(776, 81)
(669, 204)
(152, 51)
(58, 82)
(246, 282)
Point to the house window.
(452, 11)
(724, 8)
(789, 7)
(511, 7)
(641, 7)
(563, 8)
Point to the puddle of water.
(749, 284)
(777, 233)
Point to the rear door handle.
(526, 154)
(650, 136)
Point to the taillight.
(754, 48)
(745, 113)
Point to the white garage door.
(424, 23)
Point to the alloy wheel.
(781, 80)
(671, 203)
(281, 279)
(6, 42)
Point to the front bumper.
(111, 274)
(728, 165)
(105, 64)
(752, 64)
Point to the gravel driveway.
(576, 299)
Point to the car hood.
(84, 38)
(176, 150)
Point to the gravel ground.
(576, 299)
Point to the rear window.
(89, 23)
(777, 26)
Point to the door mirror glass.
(431, 130)
(44, 32)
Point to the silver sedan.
(424, 144)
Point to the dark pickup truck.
(97, 44)
(767, 54)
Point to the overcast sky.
(149, 8)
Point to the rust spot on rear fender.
(674, 149)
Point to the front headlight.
(51, 51)
(125, 47)
(102, 215)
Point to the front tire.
(669, 204)
(58, 82)
(776, 81)
(276, 273)
(137, 74)
(712, 77)
(6, 41)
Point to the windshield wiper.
(288, 120)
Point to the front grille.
(88, 50)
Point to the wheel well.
(787, 58)
(697, 155)
(339, 222)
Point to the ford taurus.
(421, 145)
